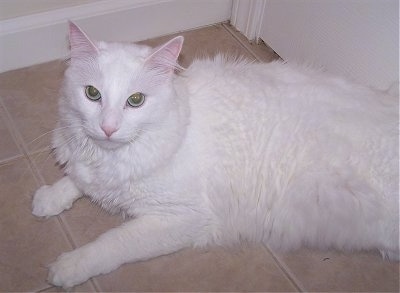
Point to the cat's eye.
(92, 93)
(135, 100)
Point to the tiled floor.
(28, 100)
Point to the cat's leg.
(50, 200)
(139, 239)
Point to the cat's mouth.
(113, 142)
(108, 143)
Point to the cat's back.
(226, 88)
(281, 117)
(272, 137)
(227, 91)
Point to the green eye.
(92, 93)
(136, 100)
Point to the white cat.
(222, 152)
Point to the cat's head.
(113, 92)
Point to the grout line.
(37, 174)
(95, 284)
(45, 288)
(60, 217)
(286, 270)
(65, 227)
(41, 150)
(17, 137)
(19, 141)
(15, 134)
(11, 159)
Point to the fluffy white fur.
(222, 152)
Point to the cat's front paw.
(46, 202)
(43, 204)
(68, 270)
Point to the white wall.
(40, 37)
(16, 8)
(359, 39)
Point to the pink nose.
(108, 130)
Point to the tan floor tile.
(27, 243)
(344, 272)
(85, 220)
(262, 51)
(47, 166)
(8, 148)
(30, 95)
(204, 42)
(214, 269)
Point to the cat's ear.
(81, 45)
(164, 58)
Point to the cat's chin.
(108, 144)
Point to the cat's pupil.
(136, 100)
(92, 93)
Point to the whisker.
(48, 133)
(36, 159)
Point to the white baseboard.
(42, 37)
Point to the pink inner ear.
(164, 59)
(81, 46)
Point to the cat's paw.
(46, 202)
(68, 271)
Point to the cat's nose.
(108, 130)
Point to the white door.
(355, 38)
